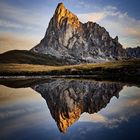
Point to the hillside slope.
(27, 57)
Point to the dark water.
(60, 109)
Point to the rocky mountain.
(68, 38)
(68, 99)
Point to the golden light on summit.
(62, 14)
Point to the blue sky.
(23, 23)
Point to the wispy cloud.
(82, 4)
(10, 24)
(96, 117)
(96, 17)
(20, 28)
(14, 17)
(10, 41)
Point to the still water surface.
(60, 109)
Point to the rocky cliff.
(67, 38)
(68, 99)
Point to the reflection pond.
(71, 109)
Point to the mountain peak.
(63, 15)
(69, 39)
(60, 6)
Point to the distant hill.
(133, 52)
(28, 57)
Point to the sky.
(23, 23)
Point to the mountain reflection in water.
(72, 103)
(68, 99)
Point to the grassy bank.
(117, 69)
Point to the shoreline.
(125, 79)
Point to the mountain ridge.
(68, 38)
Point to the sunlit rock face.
(68, 99)
(66, 37)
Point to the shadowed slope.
(28, 57)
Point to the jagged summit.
(64, 16)
(59, 8)
(69, 39)
(60, 5)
